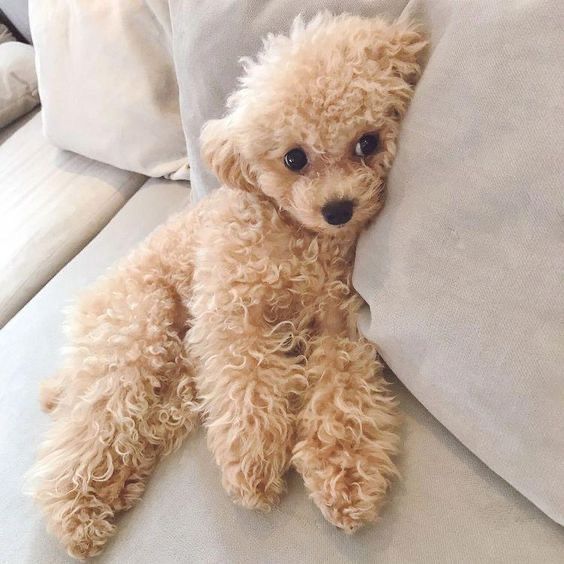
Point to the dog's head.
(315, 121)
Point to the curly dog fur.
(240, 312)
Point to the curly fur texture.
(241, 312)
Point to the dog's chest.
(249, 259)
(317, 286)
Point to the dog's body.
(240, 312)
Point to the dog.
(240, 312)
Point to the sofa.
(66, 219)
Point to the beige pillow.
(107, 82)
(18, 81)
(463, 271)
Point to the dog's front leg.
(347, 432)
(247, 390)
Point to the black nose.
(337, 212)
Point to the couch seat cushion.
(448, 508)
(53, 203)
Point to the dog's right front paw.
(83, 530)
(253, 492)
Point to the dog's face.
(315, 122)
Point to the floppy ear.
(220, 153)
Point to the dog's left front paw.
(345, 499)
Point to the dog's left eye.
(367, 145)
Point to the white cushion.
(448, 508)
(53, 203)
(18, 81)
(107, 82)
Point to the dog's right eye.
(295, 159)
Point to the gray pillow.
(463, 272)
(209, 38)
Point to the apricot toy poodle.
(240, 312)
